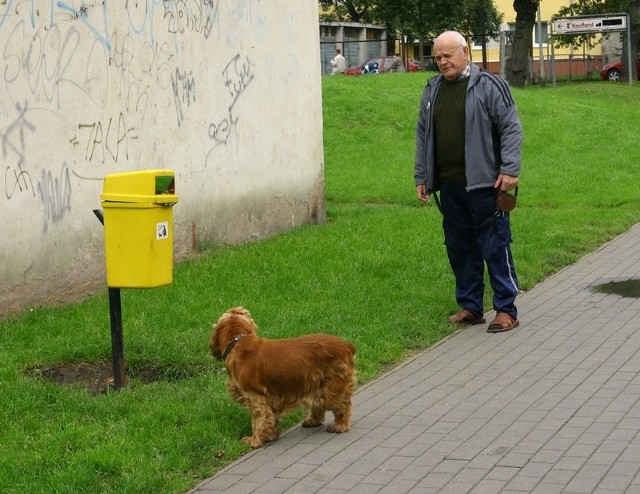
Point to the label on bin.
(162, 230)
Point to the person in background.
(395, 65)
(338, 63)
(468, 147)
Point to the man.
(395, 65)
(339, 63)
(468, 147)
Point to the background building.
(358, 42)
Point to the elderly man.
(468, 148)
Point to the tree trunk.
(517, 66)
(634, 20)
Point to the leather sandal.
(465, 317)
(502, 322)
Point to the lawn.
(375, 273)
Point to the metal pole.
(117, 341)
(630, 64)
(540, 49)
(117, 344)
(553, 58)
(503, 53)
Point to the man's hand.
(421, 192)
(506, 182)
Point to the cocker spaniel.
(273, 377)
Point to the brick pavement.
(552, 406)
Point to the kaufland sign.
(577, 25)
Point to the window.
(545, 32)
(477, 42)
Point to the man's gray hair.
(454, 36)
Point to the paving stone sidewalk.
(552, 406)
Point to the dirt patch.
(97, 377)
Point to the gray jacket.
(493, 135)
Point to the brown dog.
(273, 377)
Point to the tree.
(480, 21)
(348, 10)
(417, 19)
(517, 66)
(634, 20)
(477, 20)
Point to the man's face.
(450, 57)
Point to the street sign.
(579, 25)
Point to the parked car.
(380, 65)
(612, 71)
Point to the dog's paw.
(250, 441)
(311, 423)
(337, 428)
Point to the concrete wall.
(225, 93)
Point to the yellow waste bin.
(138, 228)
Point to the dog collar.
(231, 345)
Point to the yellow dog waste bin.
(138, 228)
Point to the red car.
(612, 71)
(381, 65)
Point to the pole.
(540, 50)
(553, 58)
(117, 342)
(629, 62)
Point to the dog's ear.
(214, 342)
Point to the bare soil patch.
(97, 377)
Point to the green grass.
(375, 273)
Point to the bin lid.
(140, 186)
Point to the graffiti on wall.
(54, 192)
(99, 77)
(238, 74)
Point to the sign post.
(589, 24)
